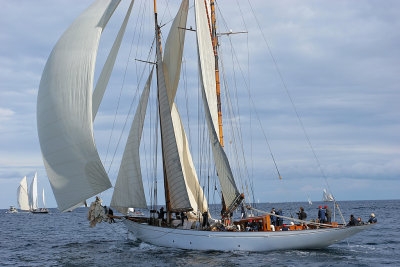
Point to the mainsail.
(64, 110)
(173, 51)
(22, 194)
(178, 195)
(208, 86)
(33, 196)
(128, 189)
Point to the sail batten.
(64, 110)
(128, 189)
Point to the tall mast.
(158, 42)
(214, 39)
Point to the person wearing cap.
(321, 214)
(328, 214)
(372, 219)
(353, 221)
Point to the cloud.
(339, 61)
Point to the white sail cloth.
(206, 59)
(173, 51)
(43, 199)
(208, 86)
(33, 196)
(105, 74)
(178, 195)
(64, 110)
(22, 194)
(128, 189)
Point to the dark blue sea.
(65, 239)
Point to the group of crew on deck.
(324, 214)
(354, 222)
(276, 217)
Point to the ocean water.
(65, 239)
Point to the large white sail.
(33, 196)
(195, 192)
(178, 195)
(206, 59)
(128, 189)
(105, 74)
(43, 199)
(22, 194)
(173, 51)
(208, 86)
(64, 110)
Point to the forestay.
(64, 110)
(208, 86)
(128, 189)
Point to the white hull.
(246, 241)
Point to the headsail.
(179, 199)
(33, 200)
(128, 189)
(208, 86)
(64, 110)
(22, 194)
(105, 74)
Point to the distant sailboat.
(33, 198)
(327, 197)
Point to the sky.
(324, 73)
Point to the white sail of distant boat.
(22, 195)
(33, 195)
(309, 201)
(327, 197)
(43, 199)
(66, 108)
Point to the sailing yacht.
(68, 103)
(33, 198)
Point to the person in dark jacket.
(352, 221)
(301, 214)
(328, 214)
(273, 218)
(110, 215)
(372, 219)
(321, 215)
(279, 220)
(161, 213)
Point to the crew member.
(321, 214)
(328, 214)
(372, 218)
